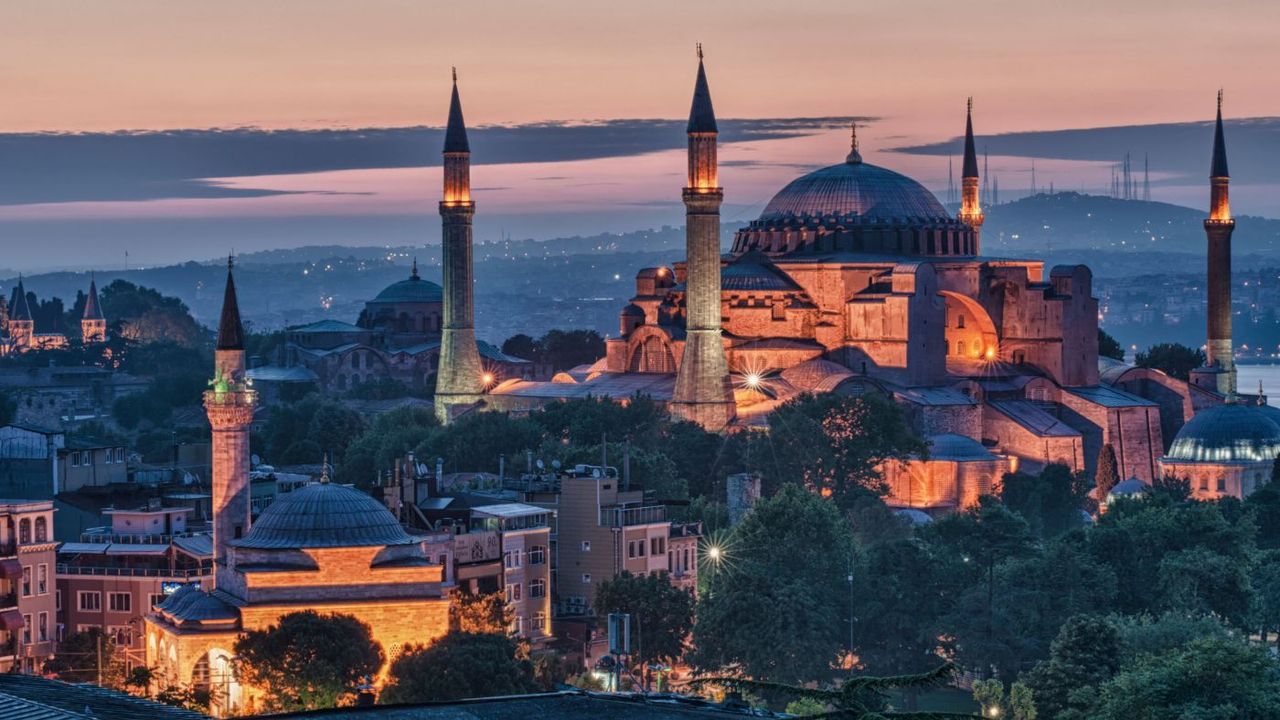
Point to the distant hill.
(1051, 223)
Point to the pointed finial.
(231, 261)
(700, 58)
(324, 469)
(854, 156)
(1219, 99)
(455, 75)
(414, 273)
(970, 105)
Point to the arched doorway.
(652, 355)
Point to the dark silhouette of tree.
(1109, 346)
(1086, 652)
(521, 346)
(78, 655)
(1108, 473)
(308, 661)
(661, 614)
(1172, 359)
(459, 665)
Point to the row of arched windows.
(41, 530)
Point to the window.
(1204, 484)
(120, 601)
(1222, 484)
(960, 320)
(24, 531)
(537, 555)
(119, 454)
(26, 629)
(639, 548)
(657, 545)
(42, 579)
(514, 593)
(512, 559)
(57, 599)
(539, 621)
(121, 634)
(631, 548)
(537, 588)
(90, 600)
(42, 529)
(106, 456)
(42, 628)
(26, 581)
(586, 577)
(960, 347)
(586, 546)
(157, 599)
(517, 624)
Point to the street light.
(714, 553)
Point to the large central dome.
(324, 515)
(855, 189)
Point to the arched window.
(653, 356)
(960, 347)
(24, 531)
(200, 674)
(42, 529)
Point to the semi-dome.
(949, 446)
(1230, 433)
(324, 515)
(855, 189)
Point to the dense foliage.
(1172, 359)
(561, 349)
(459, 665)
(661, 614)
(307, 660)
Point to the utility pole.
(99, 653)
(851, 597)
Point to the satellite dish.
(555, 464)
(421, 468)
(541, 464)
(255, 459)
(595, 473)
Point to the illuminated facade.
(322, 547)
(18, 328)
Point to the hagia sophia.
(855, 279)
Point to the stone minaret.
(458, 379)
(703, 392)
(22, 325)
(970, 208)
(229, 403)
(1218, 227)
(93, 325)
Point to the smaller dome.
(1133, 487)
(413, 290)
(324, 515)
(633, 310)
(949, 446)
(1230, 433)
(914, 516)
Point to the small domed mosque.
(855, 279)
(323, 547)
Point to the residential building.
(91, 463)
(117, 573)
(27, 594)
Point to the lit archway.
(970, 334)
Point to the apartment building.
(116, 573)
(27, 593)
(525, 538)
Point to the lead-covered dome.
(855, 189)
(1230, 433)
(415, 289)
(324, 515)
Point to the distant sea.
(1247, 377)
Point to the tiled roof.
(324, 515)
(36, 698)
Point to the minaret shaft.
(1219, 350)
(970, 189)
(458, 374)
(703, 391)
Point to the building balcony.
(160, 573)
(8, 549)
(9, 600)
(619, 517)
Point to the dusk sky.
(906, 67)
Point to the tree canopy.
(661, 613)
(459, 665)
(1172, 359)
(308, 661)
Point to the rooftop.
(36, 698)
(566, 705)
(324, 515)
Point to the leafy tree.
(183, 696)
(1212, 677)
(565, 349)
(459, 665)
(143, 315)
(383, 388)
(1143, 634)
(1050, 502)
(1266, 594)
(521, 346)
(1172, 359)
(1143, 543)
(834, 444)
(77, 660)
(661, 614)
(391, 436)
(897, 622)
(1177, 489)
(792, 551)
(807, 706)
(1109, 347)
(1264, 508)
(1022, 704)
(1086, 653)
(308, 661)
(480, 613)
(477, 441)
(1108, 473)
(989, 694)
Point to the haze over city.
(554, 95)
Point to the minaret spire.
(458, 376)
(703, 392)
(970, 205)
(1220, 366)
(93, 326)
